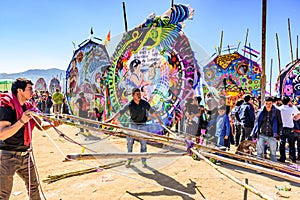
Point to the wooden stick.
(278, 53)
(263, 52)
(271, 69)
(124, 15)
(297, 48)
(246, 39)
(221, 41)
(250, 188)
(290, 37)
(253, 167)
(93, 156)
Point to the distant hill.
(35, 74)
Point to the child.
(222, 126)
(296, 118)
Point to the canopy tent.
(5, 84)
(288, 82)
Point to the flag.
(107, 39)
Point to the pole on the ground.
(246, 190)
(263, 52)
(125, 19)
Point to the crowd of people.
(271, 126)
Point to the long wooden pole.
(246, 39)
(290, 37)
(297, 48)
(234, 179)
(278, 53)
(263, 52)
(93, 156)
(221, 41)
(125, 19)
(271, 69)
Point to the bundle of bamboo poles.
(180, 143)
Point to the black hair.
(268, 98)
(134, 64)
(134, 90)
(239, 102)
(20, 83)
(247, 97)
(285, 100)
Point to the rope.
(111, 170)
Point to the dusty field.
(164, 178)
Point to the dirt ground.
(164, 178)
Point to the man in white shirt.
(287, 112)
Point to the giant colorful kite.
(86, 73)
(233, 75)
(288, 82)
(40, 85)
(157, 58)
(54, 84)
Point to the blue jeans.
(130, 141)
(262, 139)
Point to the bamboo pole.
(271, 69)
(221, 41)
(124, 15)
(290, 38)
(278, 53)
(263, 52)
(250, 166)
(246, 40)
(234, 179)
(297, 48)
(180, 143)
(93, 156)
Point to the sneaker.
(128, 163)
(144, 164)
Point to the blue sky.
(39, 34)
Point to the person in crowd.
(287, 111)
(57, 98)
(222, 126)
(16, 125)
(267, 128)
(296, 118)
(137, 108)
(49, 102)
(192, 115)
(65, 107)
(236, 122)
(83, 107)
(246, 115)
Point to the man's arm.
(117, 115)
(7, 129)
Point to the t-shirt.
(58, 98)
(266, 126)
(138, 112)
(15, 142)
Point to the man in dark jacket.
(246, 116)
(267, 128)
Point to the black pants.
(287, 133)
